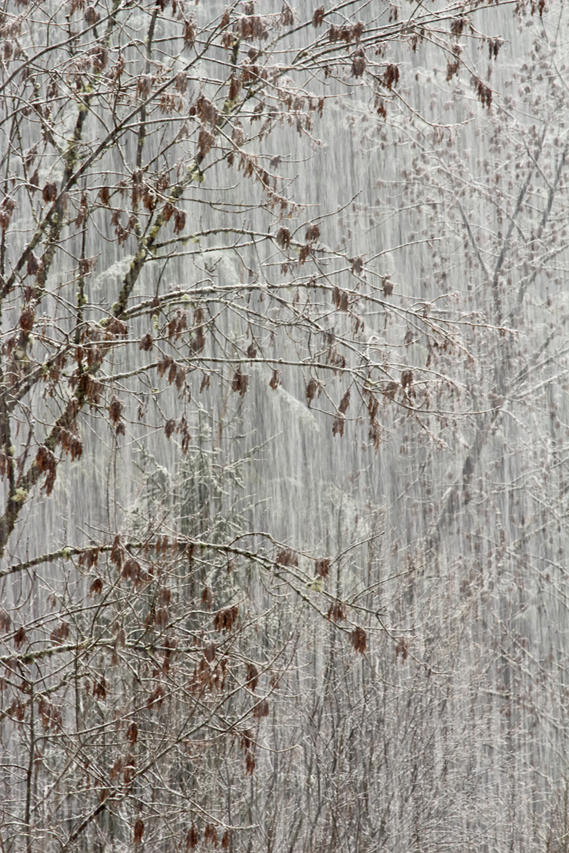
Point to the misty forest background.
(283, 427)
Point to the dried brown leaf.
(225, 619)
(312, 389)
(286, 557)
(192, 838)
(138, 831)
(261, 709)
(20, 637)
(240, 382)
(344, 402)
(252, 679)
(337, 611)
(318, 16)
(358, 639)
(283, 238)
